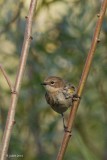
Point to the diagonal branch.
(83, 79)
(6, 77)
(24, 53)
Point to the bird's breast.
(58, 102)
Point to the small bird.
(59, 94)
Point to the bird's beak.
(43, 84)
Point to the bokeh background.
(62, 32)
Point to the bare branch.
(6, 77)
(24, 53)
(83, 79)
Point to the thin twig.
(24, 53)
(6, 77)
(82, 82)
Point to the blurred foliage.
(62, 34)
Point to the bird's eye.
(52, 82)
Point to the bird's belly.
(61, 104)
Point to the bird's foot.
(66, 130)
(76, 97)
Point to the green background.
(62, 33)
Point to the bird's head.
(53, 84)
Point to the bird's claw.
(76, 97)
(66, 130)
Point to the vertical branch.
(15, 92)
(83, 79)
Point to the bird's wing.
(69, 91)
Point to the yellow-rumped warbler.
(59, 94)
